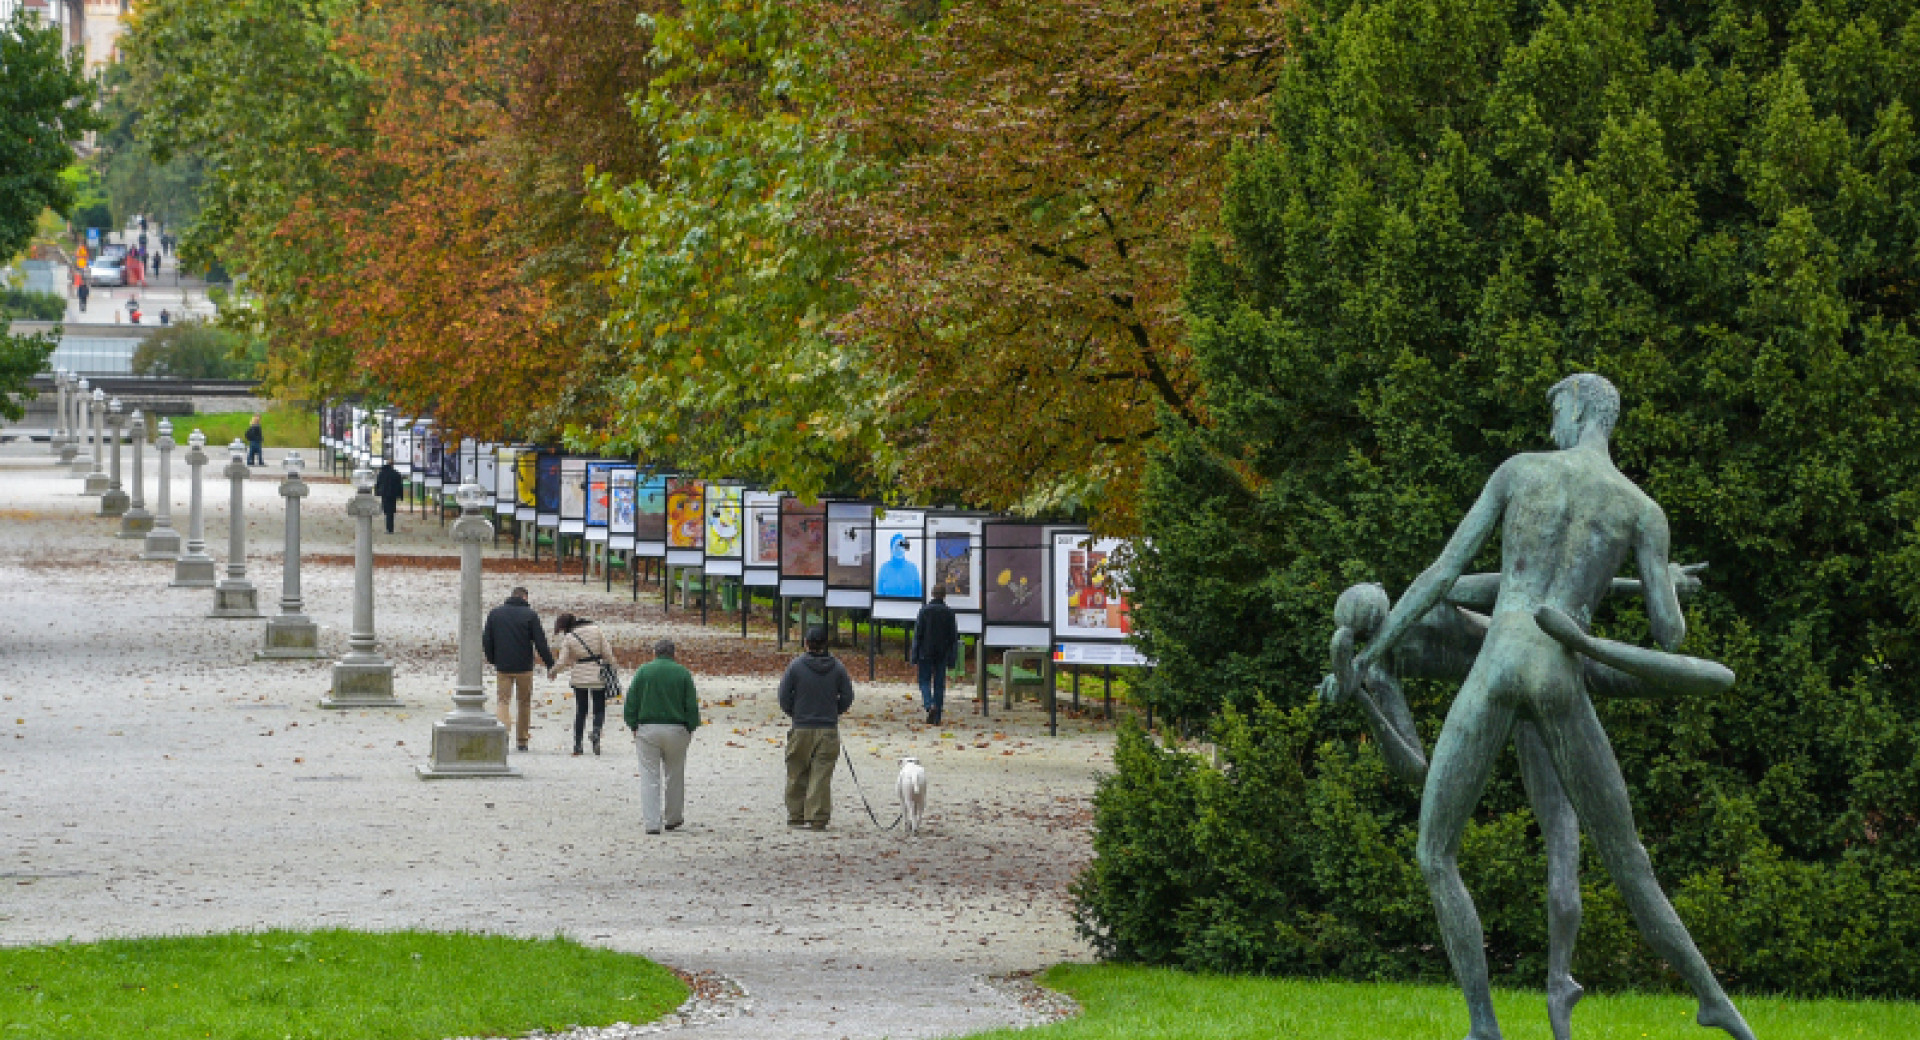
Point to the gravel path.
(156, 779)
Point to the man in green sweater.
(662, 711)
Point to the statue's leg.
(1669, 673)
(1471, 740)
(1561, 830)
(1584, 761)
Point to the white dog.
(912, 786)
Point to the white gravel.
(155, 779)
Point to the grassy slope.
(284, 427)
(332, 985)
(1155, 1004)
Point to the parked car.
(113, 251)
(108, 271)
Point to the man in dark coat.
(389, 486)
(815, 692)
(512, 636)
(935, 648)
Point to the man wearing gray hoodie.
(815, 692)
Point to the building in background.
(92, 25)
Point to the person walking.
(814, 693)
(83, 290)
(389, 486)
(662, 711)
(510, 639)
(256, 444)
(935, 648)
(582, 649)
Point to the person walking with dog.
(935, 647)
(510, 639)
(815, 691)
(583, 649)
(662, 710)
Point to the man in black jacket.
(935, 648)
(389, 487)
(815, 692)
(512, 636)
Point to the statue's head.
(1581, 402)
(1362, 609)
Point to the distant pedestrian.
(582, 649)
(662, 710)
(143, 229)
(83, 291)
(511, 638)
(153, 263)
(256, 441)
(167, 319)
(388, 485)
(814, 693)
(935, 648)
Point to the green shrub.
(1461, 202)
(196, 350)
(24, 305)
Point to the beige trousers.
(506, 685)
(811, 756)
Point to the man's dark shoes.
(650, 830)
(577, 752)
(596, 741)
(521, 747)
(934, 718)
(818, 825)
(673, 826)
(796, 823)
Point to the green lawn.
(1149, 1003)
(284, 427)
(331, 985)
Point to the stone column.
(97, 482)
(235, 596)
(82, 394)
(136, 522)
(363, 678)
(290, 633)
(163, 542)
(113, 502)
(469, 742)
(58, 440)
(194, 568)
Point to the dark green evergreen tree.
(1715, 205)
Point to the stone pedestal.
(194, 568)
(290, 633)
(469, 743)
(362, 678)
(113, 501)
(57, 443)
(136, 521)
(163, 542)
(235, 596)
(97, 482)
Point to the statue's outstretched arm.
(1669, 625)
(1433, 583)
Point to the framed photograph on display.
(450, 452)
(402, 453)
(377, 437)
(622, 480)
(432, 462)
(1090, 589)
(387, 424)
(849, 554)
(546, 489)
(953, 562)
(469, 461)
(803, 548)
(504, 469)
(526, 484)
(650, 515)
(484, 468)
(1014, 602)
(686, 522)
(417, 449)
(597, 473)
(899, 582)
(573, 495)
(761, 553)
(724, 544)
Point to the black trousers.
(387, 507)
(582, 696)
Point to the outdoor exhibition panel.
(1014, 602)
(850, 554)
(526, 484)
(402, 447)
(598, 471)
(485, 467)
(622, 485)
(389, 425)
(377, 436)
(504, 472)
(650, 516)
(761, 554)
(724, 544)
(952, 562)
(450, 463)
(899, 583)
(546, 489)
(803, 549)
(1092, 614)
(573, 494)
(686, 522)
(433, 459)
(469, 462)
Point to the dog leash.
(863, 795)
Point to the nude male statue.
(1568, 520)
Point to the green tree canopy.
(1713, 204)
(45, 105)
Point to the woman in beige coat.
(581, 647)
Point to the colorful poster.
(419, 449)
(507, 468)
(431, 461)
(897, 534)
(621, 483)
(469, 461)
(483, 473)
(1015, 562)
(650, 510)
(849, 545)
(763, 528)
(1090, 593)
(597, 492)
(377, 439)
(723, 520)
(803, 539)
(450, 463)
(685, 506)
(526, 479)
(573, 489)
(546, 488)
(953, 558)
